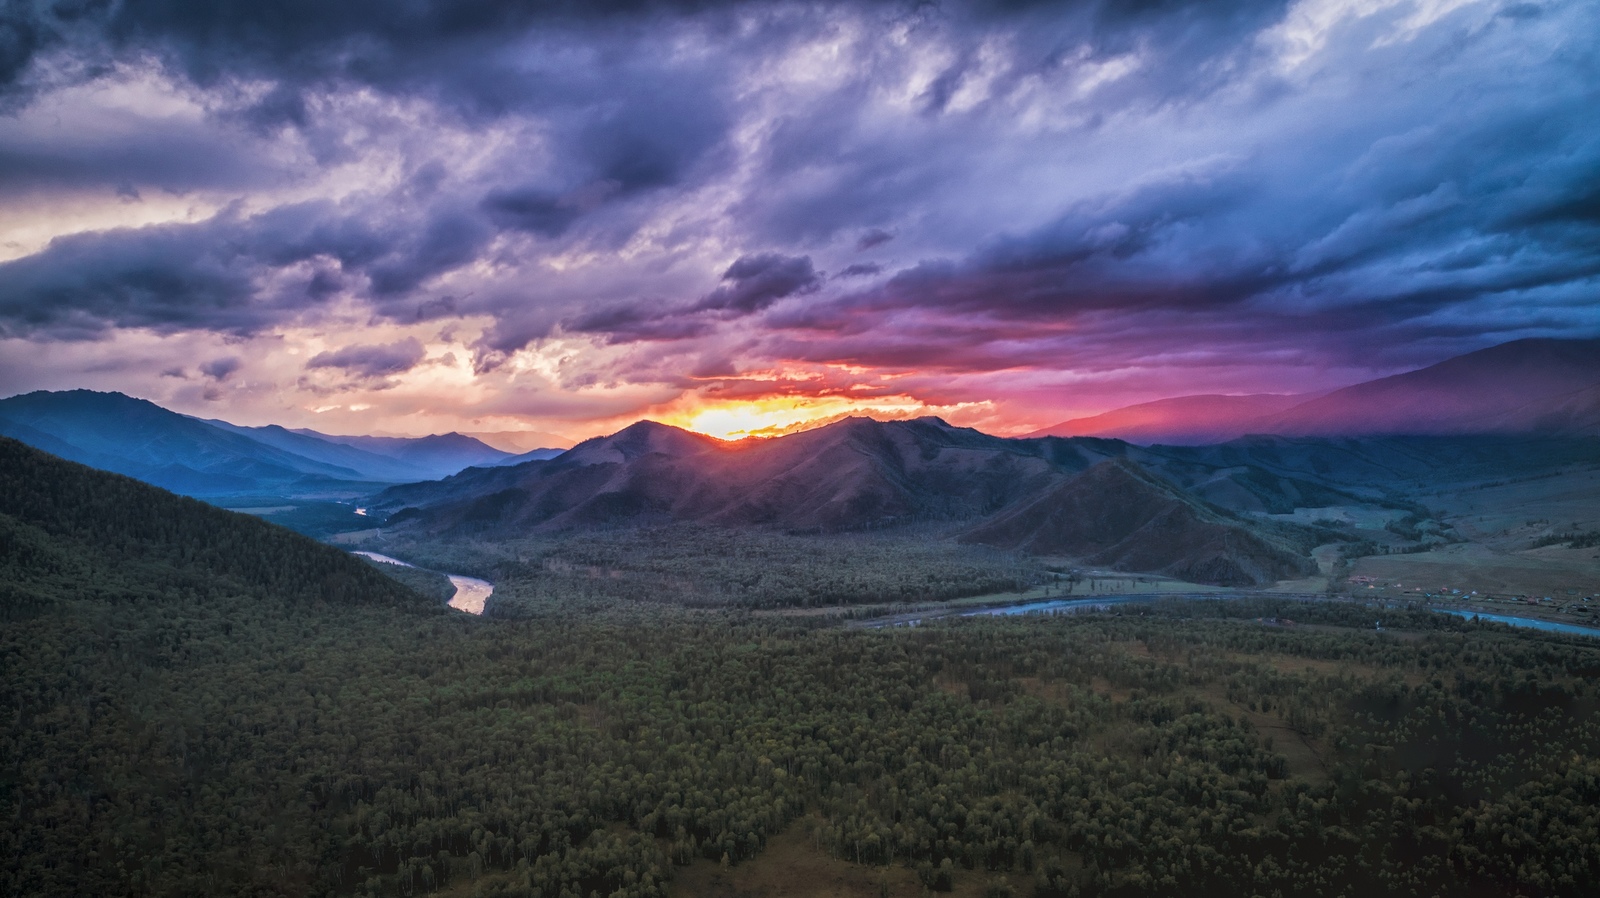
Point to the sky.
(493, 215)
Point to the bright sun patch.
(780, 415)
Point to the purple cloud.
(372, 361)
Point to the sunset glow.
(774, 417)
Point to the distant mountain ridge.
(1179, 421)
(520, 442)
(1543, 386)
(199, 457)
(1536, 386)
(138, 438)
(420, 458)
(1188, 512)
(854, 474)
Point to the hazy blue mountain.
(433, 457)
(1536, 387)
(533, 455)
(519, 442)
(387, 459)
(200, 457)
(138, 438)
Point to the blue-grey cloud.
(215, 274)
(221, 369)
(859, 270)
(754, 282)
(372, 361)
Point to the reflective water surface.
(470, 594)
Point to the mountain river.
(1104, 603)
(471, 592)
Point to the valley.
(873, 658)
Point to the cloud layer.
(496, 214)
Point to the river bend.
(471, 593)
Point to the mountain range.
(1549, 387)
(214, 458)
(1080, 498)
(1191, 511)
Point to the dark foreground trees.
(243, 746)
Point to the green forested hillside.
(71, 532)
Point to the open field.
(1469, 568)
(1501, 546)
(794, 865)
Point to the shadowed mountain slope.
(1117, 515)
(1177, 510)
(1180, 421)
(68, 531)
(1536, 386)
(1314, 471)
(853, 474)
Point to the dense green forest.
(718, 567)
(68, 532)
(243, 747)
(243, 736)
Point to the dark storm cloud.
(175, 157)
(368, 40)
(449, 240)
(533, 210)
(749, 285)
(1124, 254)
(373, 361)
(872, 238)
(859, 270)
(220, 369)
(754, 282)
(227, 273)
(167, 278)
(635, 323)
(433, 47)
(1185, 51)
(1430, 248)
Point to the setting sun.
(780, 415)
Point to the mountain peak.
(80, 400)
(638, 439)
(1118, 515)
